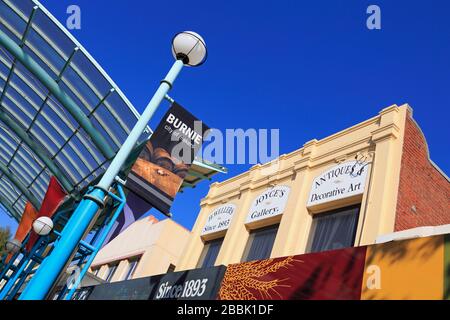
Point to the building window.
(111, 270)
(210, 253)
(171, 268)
(95, 271)
(260, 243)
(334, 229)
(132, 265)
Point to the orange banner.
(25, 225)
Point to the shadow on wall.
(335, 274)
(409, 269)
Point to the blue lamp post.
(189, 49)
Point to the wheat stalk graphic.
(239, 278)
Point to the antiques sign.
(344, 180)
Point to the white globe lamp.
(13, 246)
(43, 226)
(189, 47)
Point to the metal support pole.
(21, 266)
(28, 271)
(10, 265)
(76, 227)
(98, 245)
(130, 142)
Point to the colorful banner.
(326, 275)
(53, 198)
(399, 270)
(416, 269)
(26, 223)
(159, 171)
(407, 270)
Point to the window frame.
(131, 269)
(110, 274)
(322, 214)
(95, 271)
(204, 253)
(251, 237)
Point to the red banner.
(54, 197)
(329, 275)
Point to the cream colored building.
(343, 190)
(147, 247)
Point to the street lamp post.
(188, 49)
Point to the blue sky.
(309, 68)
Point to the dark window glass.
(260, 243)
(209, 253)
(111, 270)
(334, 229)
(132, 265)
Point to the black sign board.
(135, 289)
(196, 284)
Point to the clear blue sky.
(309, 68)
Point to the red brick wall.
(421, 185)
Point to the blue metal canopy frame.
(60, 113)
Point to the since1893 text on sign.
(219, 219)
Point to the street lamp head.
(13, 246)
(189, 47)
(43, 225)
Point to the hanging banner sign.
(162, 165)
(342, 181)
(269, 204)
(219, 219)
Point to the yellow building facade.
(295, 199)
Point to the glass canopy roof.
(28, 105)
(60, 113)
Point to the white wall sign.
(219, 219)
(344, 180)
(269, 204)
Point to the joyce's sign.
(269, 204)
(344, 180)
(219, 219)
